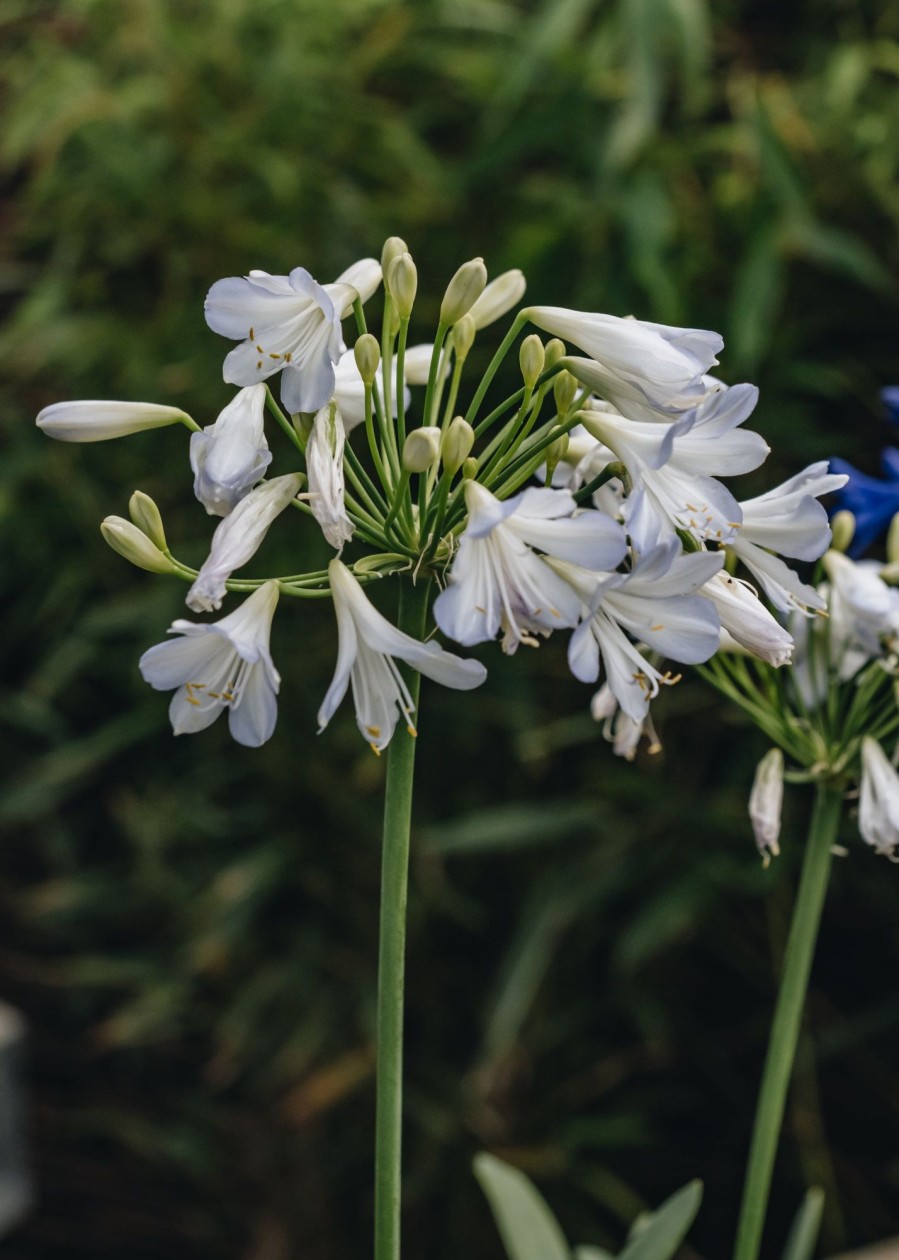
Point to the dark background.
(190, 927)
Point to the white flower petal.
(97, 420)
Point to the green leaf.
(804, 1232)
(527, 1226)
(665, 1229)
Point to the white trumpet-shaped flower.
(635, 361)
(790, 521)
(238, 538)
(288, 324)
(499, 582)
(746, 619)
(878, 810)
(225, 665)
(97, 420)
(324, 464)
(655, 605)
(368, 647)
(231, 455)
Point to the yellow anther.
(259, 366)
(259, 348)
(288, 357)
(374, 731)
(252, 335)
(412, 731)
(375, 750)
(272, 355)
(658, 627)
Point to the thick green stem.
(787, 1020)
(391, 951)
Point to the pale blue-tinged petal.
(781, 584)
(237, 304)
(245, 365)
(583, 654)
(307, 388)
(590, 538)
(485, 510)
(347, 650)
(187, 717)
(183, 660)
(364, 276)
(252, 719)
(684, 628)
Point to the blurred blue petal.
(872, 502)
(890, 399)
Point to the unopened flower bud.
(421, 449)
(463, 337)
(393, 247)
(135, 546)
(146, 516)
(555, 453)
(564, 391)
(842, 527)
(555, 350)
(96, 421)
(402, 282)
(368, 357)
(470, 468)
(456, 445)
(463, 291)
(531, 358)
(765, 801)
(893, 540)
(498, 298)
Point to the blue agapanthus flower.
(871, 501)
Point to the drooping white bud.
(324, 464)
(842, 526)
(230, 456)
(403, 284)
(878, 810)
(367, 353)
(238, 537)
(532, 359)
(765, 802)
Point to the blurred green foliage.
(191, 927)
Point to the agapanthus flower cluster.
(589, 503)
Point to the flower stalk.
(391, 952)
(787, 1019)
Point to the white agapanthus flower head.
(368, 647)
(224, 665)
(231, 455)
(864, 613)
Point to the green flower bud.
(498, 298)
(842, 526)
(531, 358)
(555, 453)
(463, 337)
(402, 283)
(555, 350)
(135, 546)
(421, 449)
(463, 291)
(470, 468)
(368, 357)
(146, 516)
(456, 445)
(564, 391)
(393, 247)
